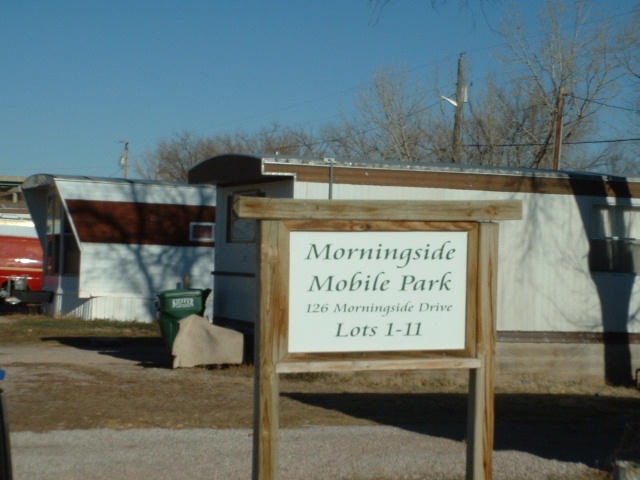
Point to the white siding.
(120, 282)
(135, 192)
(141, 270)
(131, 309)
(544, 279)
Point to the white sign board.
(377, 291)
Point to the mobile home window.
(615, 239)
(201, 232)
(63, 253)
(71, 251)
(240, 230)
(54, 220)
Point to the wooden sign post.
(376, 285)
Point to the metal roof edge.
(232, 168)
(445, 168)
(41, 179)
(212, 170)
(37, 180)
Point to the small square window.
(241, 230)
(201, 232)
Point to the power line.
(635, 110)
(583, 142)
(603, 141)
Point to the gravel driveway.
(311, 453)
(315, 452)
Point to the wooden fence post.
(481, 412)
(273, 310)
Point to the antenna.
(124, 159)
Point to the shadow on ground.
(568, 428)
(149, 352)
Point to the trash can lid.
(180, 292)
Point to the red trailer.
(21, 254)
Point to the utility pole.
(457, 122)
(557, 145)
(124, 160)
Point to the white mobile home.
(567, 271)
(111, 244)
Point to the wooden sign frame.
(278, 217)
(289, 362)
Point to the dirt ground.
(69, 374)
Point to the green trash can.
(174, 305)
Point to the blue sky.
(78, 77)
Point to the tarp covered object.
(200, 343)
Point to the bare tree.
(173, 158)
(284, 141)
(510, 118)
(628, 106)
(388, 124)
(575, 56)
(379, 5)
(628, 47)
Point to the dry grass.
(42, 330)
(152, 394)
(69, 395)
